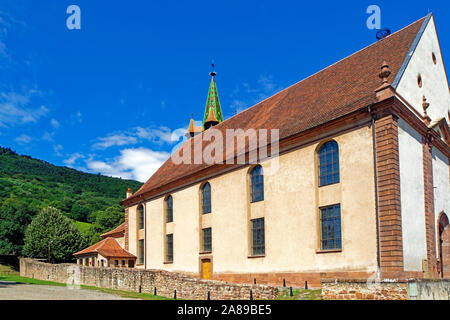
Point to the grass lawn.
(300, 294)
(8, 274)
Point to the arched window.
(329, 163)
(169, 209)
(141, 216)
(257, 184)
(206, 198)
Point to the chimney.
(129, 193)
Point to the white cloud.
(77, 117)
(72, 159)
(138, 164)
(48, 136)
(119, 139)
(23, 138)
(14, 109)
(55, 124)
(251, 95)
(158, 135)
(57, 149)
(5, 24)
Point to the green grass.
(19, 279)
(300, 294)
(7, 270)
(8, 274)
(83, 227)
(127, 294)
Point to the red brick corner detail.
(429, 208)
(126, 229)
(389, 204)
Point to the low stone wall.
(430, 290)
(145, 280)
(414, 289)
(362, 290)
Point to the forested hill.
(25, 167)
(83, 197)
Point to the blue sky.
(110, 97)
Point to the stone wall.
(362, 290)
(165, 282)
(417, 289)
(430, 290)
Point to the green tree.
(15, 215)
(109, 218)
(50, 226)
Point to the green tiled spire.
(212, 103)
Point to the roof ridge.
(331, 65)
(330, 93)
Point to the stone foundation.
(417, 289)
(136, 280)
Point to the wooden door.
(206, 267)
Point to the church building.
(360, 183)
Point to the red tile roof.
(109, 248)
(338, 90)
(117, 232)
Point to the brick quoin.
(389, 204)
(429, 207)
(126, 229)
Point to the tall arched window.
(257, 184)
(206, 198)
(141, 216)
(169, 209)
(329, 163)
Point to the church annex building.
(362, 181)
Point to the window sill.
(139, 264)
(168, 262)
(206, 213)
(256, 201)
(329, 184)
(205, 252)
(256, 256)
(328, 251)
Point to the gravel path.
(16, 291)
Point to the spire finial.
(192, 115)
(212, 73)
(425, 106)
(385, 72)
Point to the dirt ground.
(15, 291)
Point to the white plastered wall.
(434, 80)
(412, 197)
(441, 182)
(290, 208)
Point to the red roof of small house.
(336, 91)
(109, 248)
(115, 233)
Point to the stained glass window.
(257, 181)
(169, 209)
(258, 239)
(329, 163)
(330, 219)
(206, 198)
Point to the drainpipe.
(376, 186)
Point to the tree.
(15, 216)
(109, 218)
(50, 226)
(104, 221)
